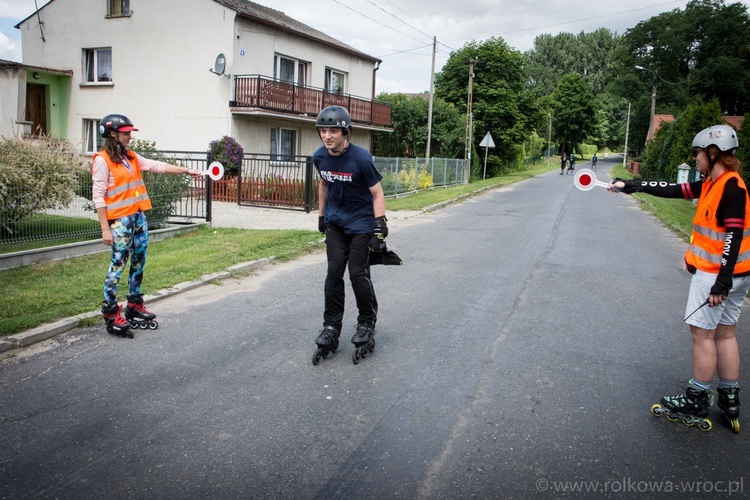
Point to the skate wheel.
(153, 325)
(672, 418)
(706, 425)
(317, 355)
(128, 334)
(735, 425)
(688, 422)
(335, 345)
(657, 410)
(355, 356)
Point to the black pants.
(342, 250)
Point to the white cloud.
(9, 50)
(17, 9)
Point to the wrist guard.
(631, 186)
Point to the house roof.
(733, 121)
(274, 18)
(277, 19)
(5, 63)
(659, 119)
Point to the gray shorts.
(727, 313)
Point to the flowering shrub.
(229, 153)
(406, 178)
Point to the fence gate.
(276, 181)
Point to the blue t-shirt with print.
(349, 177)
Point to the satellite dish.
(219, 66)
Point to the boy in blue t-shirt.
(351, 213)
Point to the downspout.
(374, 78)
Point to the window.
(97, 65)
(118, 8)
(92, 139)
(289, 70)
(283, 144)
(334, 81)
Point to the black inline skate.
(690, 408)
(116, 324)
(328, 342)
(729, 402)
(137, 314)
(363, 341)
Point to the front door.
(36, 108)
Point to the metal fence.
(409, 175)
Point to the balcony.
(258, 93)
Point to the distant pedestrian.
(572, 164)
(563, 162)
(594, 159)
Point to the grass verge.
(676, 214)
(49, 291)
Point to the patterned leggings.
(130, 234)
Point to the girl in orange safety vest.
(719, 259)
(120, 199)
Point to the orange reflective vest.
(128, 195)
(708, 239)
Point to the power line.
(398, 19)
(376, 21)
(576, 21)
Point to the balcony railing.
(256, 91)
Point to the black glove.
(322, 224)
(634, 186)
(722, 286)
(379, 233)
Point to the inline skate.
(138, 316)
(363, 341)
(327, 341)
(116, 324)
(690, 408)
(729, 402)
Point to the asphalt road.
(518, 352)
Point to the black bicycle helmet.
(115, 123)
(334, 116)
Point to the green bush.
(35, 175)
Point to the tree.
(501, 103)
(574, 109)
(588, 54)
(409, 136)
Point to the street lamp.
(654, 79)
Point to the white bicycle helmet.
(721, 136)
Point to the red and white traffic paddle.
(215, 171)
(585, 180)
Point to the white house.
(191, 71)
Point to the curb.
(50, 330)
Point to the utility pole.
(655, 78)
(549, 138)
(432, 91)
(627, 130)
(467, 153)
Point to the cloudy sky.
(400, 32)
